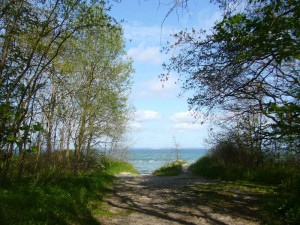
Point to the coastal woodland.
(64, 87)
(245, 73)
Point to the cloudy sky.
(160, 114)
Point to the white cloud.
(159, 34)
(188, 120)
(184, 117)
(147, 115)
(187, 126)
(135, 126)
(155, 34)
(146, 54)
(157, 88)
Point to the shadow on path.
(171, 200)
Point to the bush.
(210, 167)
(291, 207)
(207, 166)
(271, 174)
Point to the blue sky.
(160, 114)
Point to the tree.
(98, 84)
(32, 38)
(253, 54)
(177, 148)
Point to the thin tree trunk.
(78, 147)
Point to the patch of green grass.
(283, 205)
(116, 167)
(209, 167)
(171, 169)
(242, 199)
(102, 212)
(68, 198)
(63, 201)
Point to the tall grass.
(117, 166)
(172, 169)
(67, 200)
(65, 197)
(286, 202)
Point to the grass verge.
(66, 199)
(282, 203)
(116, 167)
(172, 169)
(241, 199)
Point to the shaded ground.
(184, 199)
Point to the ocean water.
(148, 160)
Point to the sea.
(147, 160)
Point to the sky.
(160, 116)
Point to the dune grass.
(171, 169)
(116, 167)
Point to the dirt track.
(150, 200)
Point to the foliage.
(232, 149)
(247, 64)
(116, 167)
(65, 200)
(285, 202)
(246, 198)
(171, 169)
(213, 167)
(64, 81)
(62, 198)
(206, 166)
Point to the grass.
(207, 166)
(116, 167)
(281, 201)
(242, 199)
(172, 169)
(65, 199)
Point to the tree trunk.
(78, 147)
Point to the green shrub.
(271, 175)
(207, 166)
(210, 167)
(291, 206)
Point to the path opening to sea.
(179, 200)
(147, 160)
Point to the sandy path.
(150, 200)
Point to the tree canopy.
(64, 80)
(252, 54)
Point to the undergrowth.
(67, 198)
(285, 200)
